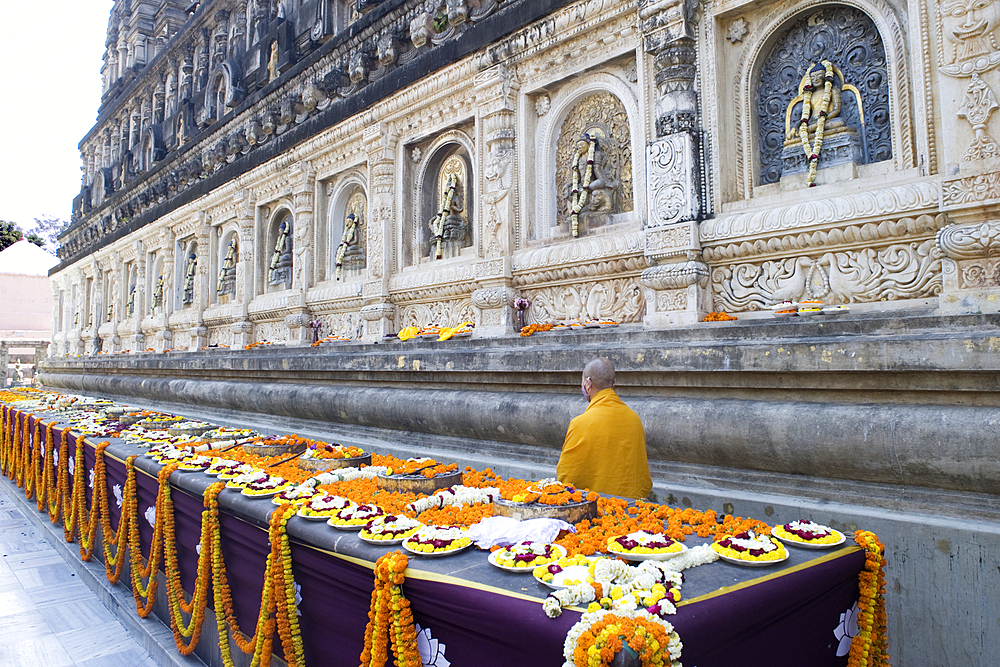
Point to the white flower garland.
(812, 152)
(578, 197)
(345, 475)
(455, 496)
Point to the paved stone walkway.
(48, 615)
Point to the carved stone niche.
(443, 211)
(970, 267)
(279, 257)
(858, 121)
(598, 194)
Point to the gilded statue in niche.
(349, 252)
(820, 103)
(594, 163)
(450, 224)
(858, 125)
(970, 26)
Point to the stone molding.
(970, 241)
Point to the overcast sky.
(50, 87)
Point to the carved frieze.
(899, 271)
(671, 180)
(620, 298)
(442, 313)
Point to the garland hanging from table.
(390, 619)
(870, 646)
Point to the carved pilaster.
(303, 179)
(4, 360)
(245, 212)
(242, 334)
(380, 144)
(494, 311)
(676, 294)
(299, 332)
(496, 90)
(379, 320)
(970, 267)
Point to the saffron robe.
(605, 449)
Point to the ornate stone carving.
(902, 198)
(601, 115)
(494, 297)
(849, 39)
(675, 276)
(978, 188)
(672, 180)
(377, 311)
(865, 234)
(737, 30)
(443, 313)
(970, 241)
(899, 271)
(620, 298)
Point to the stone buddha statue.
(450, 226)
(281, 259)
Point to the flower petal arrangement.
(750, 547)
(808, 533)
(527, 554)
(389, 529)
(437, 540)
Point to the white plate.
(191, 469)
(352, 529)
(830, 310)
(389, 543)
(807, 545)
(785, 305)
(493, 561)
(777, 314)
(580, 572)
(436, 554)
(261, 494)
(608, 326)
(754, 563)
(637, 558)
(462, 335)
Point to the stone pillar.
(494, 310)
(202, 283)
(246, 218)
(41, 353)
(4, 359)
(677, 282)
(303, 180)
(379, 312)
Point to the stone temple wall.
(258, 168)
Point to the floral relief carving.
(982, 187)
(671, 300)
(272, 332)
(345, 325)
(900, 271)
(622, 299)
(970, 241)
(442, 313)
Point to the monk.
(605, 447)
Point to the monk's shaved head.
(601, 373)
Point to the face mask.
(583, 390)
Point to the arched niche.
(443, 193)
(152, 150)
(227, 262)
(858, 127)
(347, 211)
(187, 274)
(276, 261)
(132, 305)
(759, 43)
(598, 107)
(223, 90)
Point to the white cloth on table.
(504, 531)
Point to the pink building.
(25, 307)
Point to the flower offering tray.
(571, 513)
(419, 483)
(335, 464)
(273, 450)
(199, 430)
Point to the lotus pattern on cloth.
(846, 630)
(431, 650)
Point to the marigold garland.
(390, 620)
(870, 645)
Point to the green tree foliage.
(10, 234)
(48, 228)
